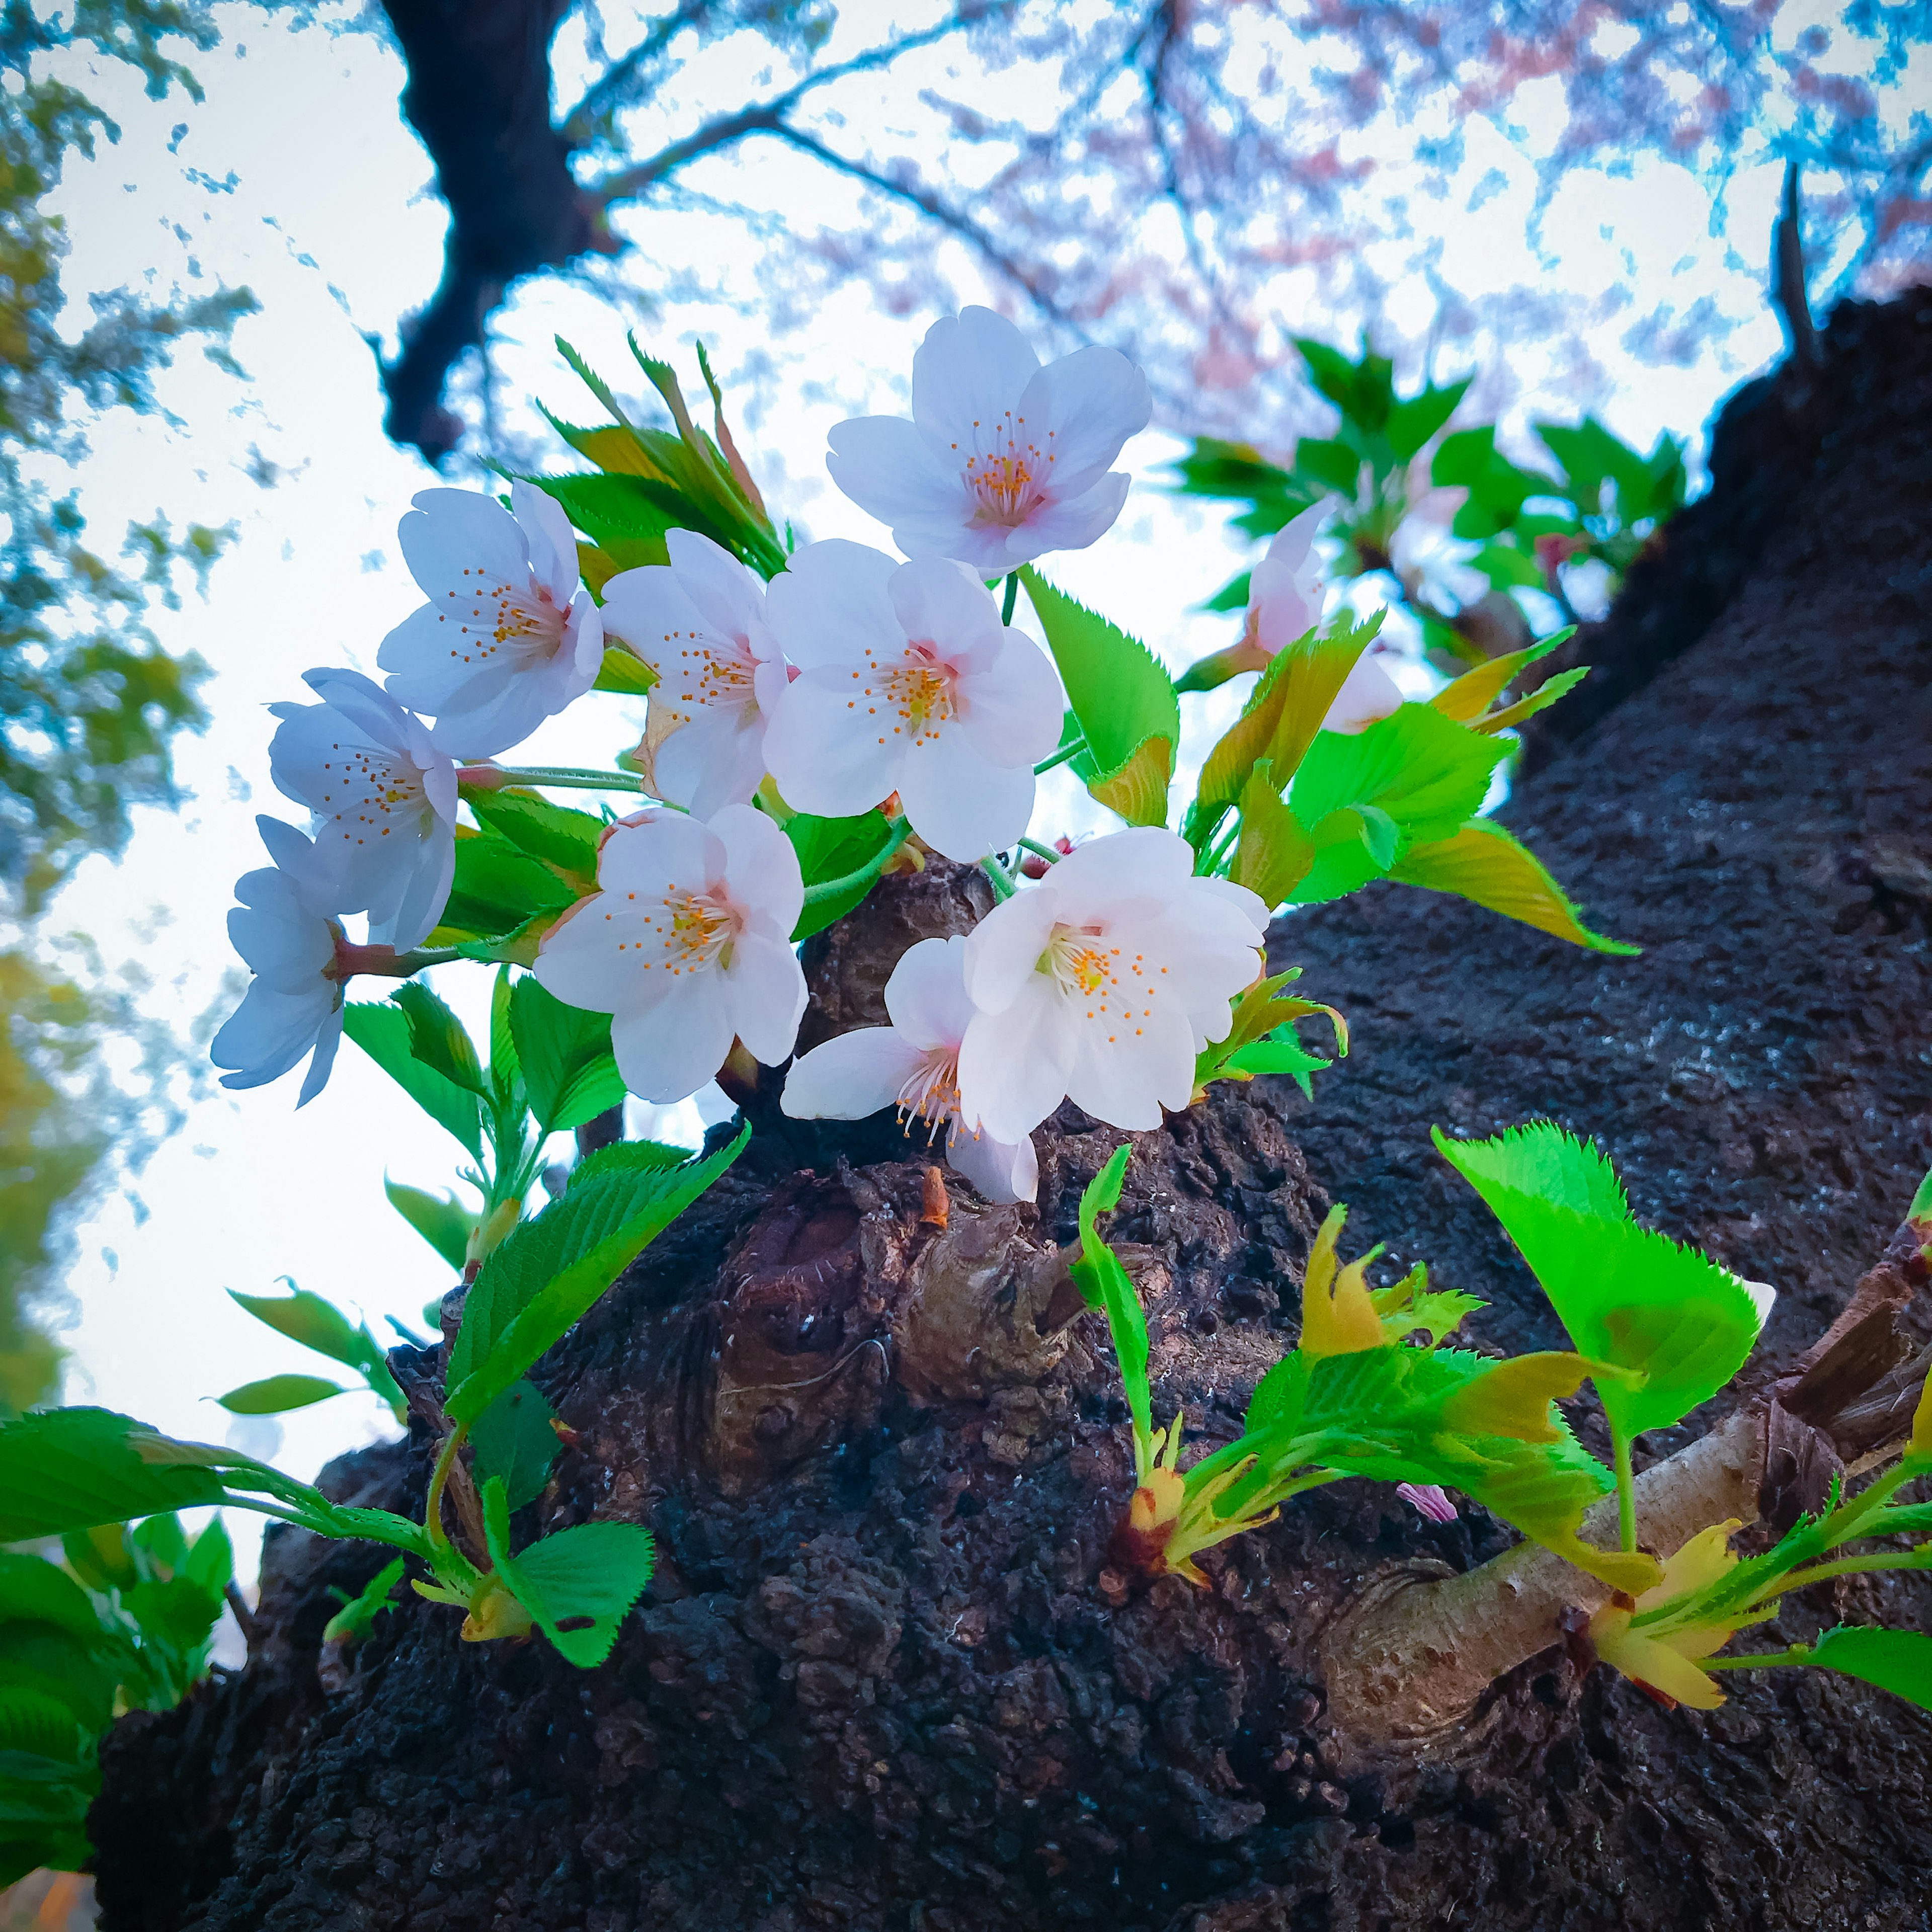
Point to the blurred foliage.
(1509, 527)
(90, 702)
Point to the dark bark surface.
(886, 1679)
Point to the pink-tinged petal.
(886, 467)
(827, 754)
(1010, 712)
(1368, 694)
(649, 610)
(851, 1077)
(1126, 1069)
(1002, 1171)
(1002, 950)
(450, 532)
(765, 992)
(1282, 608)
(926, 995)
(1141, 860)
(960, 805)
(1430, 1498)
(939, 602)
(982, 548)
(656, 852)
(1293, 545)
(760, 865)
(728, 596)
(971, 371)
(667, 1051)
(770, 681)
(323, 1060)
(1072, 525)
(717, 759)
(552, 542)
(831, 603)
(1013, 1066)
(1080, 411)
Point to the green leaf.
(1466, 698)
(100, 1557)
(499, 888)
(514, 1440)
(274, 1395)
(64, 1469)
(557, 834)
(1900, 1661)
(578, 1584)
(1425, 771)
(160, 1543)
(1508, 568)
(178, 1612)
(34, 1591)
(1279, 1053)
(1329, 463)
(1412, 422)
(624, 673)
(619, 513)
(308, 1319)
(1626, 1295)
(442, 1220)
(1105, 1284)
(382, 1031)
(357, 1617)
(833, 848)
(1280, 720)
(83, 1673)
(1462, 460)
(1483, 863)
(548, 1271)
(1274, 853)
(37, 1724)
(437, 1037)
(569, 1073)
(1122, 697)
(211, 1562)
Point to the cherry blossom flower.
(908, 682)
(699, 622)
(383, 799)
(913, 1064)
(1284, 599)
(1103, 982)
(1003, 459)
(293, 1005)
(686, 943)
(508, 637)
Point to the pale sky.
(298, 179)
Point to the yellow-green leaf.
(1484, 863)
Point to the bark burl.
(887, 1678)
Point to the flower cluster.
(821, 713)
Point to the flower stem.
(439, 1480)
(1849, 1566)
(817, 895)
(1012, 598)
(1004, 887)
(1798, 1653)
(1620, 1449)
(384, 962)
(1211, 866)
(1071, 750)
(1040, 851)
(493, 777)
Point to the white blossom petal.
(822, 758)
(970, 370)
(767, 992)
(762, 865)
(551, 541)
(1002, 950)
(717, 759)
(1087, 404)
(668, 1050)
(926, 995)
(832, 601)
(850, 1077)
(1001, 1170)
(883, 464)
(962, 806)
(1368, 694)
(1014, 1065)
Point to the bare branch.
(607, 93)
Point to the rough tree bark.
(886, 1679)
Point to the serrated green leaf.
(1626, 1295)
(1426, 772)
(275, 1395)
(1485, 864)
(442, 1220)
(64, 1469)
(81, 1673)
(578, 1584)
(382, 1031)
(100, 1557)
(569, 1073)
(210, 1561)
(1275, 852)
(547, 1271)
(498, 887)
(1507, 716)
(32, 1590)
(37, 1724)
(618, 513)
(829, 849)
(557, 834)
(1900, 1661)
(178, 1613)
(514, 1440)
(357, 1617)
(1122, 695)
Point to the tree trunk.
(887, 1679)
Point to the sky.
(298, 178)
